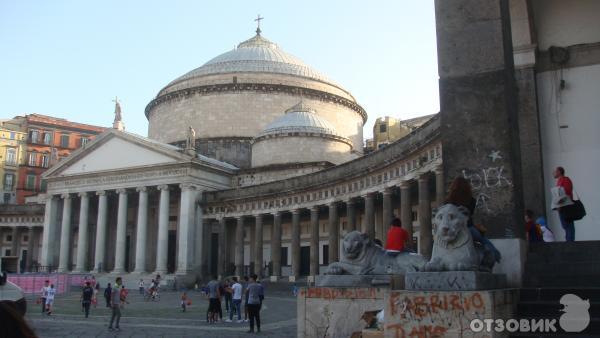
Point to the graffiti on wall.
(487, 180)
(432, 314)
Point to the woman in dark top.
(460, 194)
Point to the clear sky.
(71, 58)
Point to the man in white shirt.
(50, 298)
(236, 290)
(44, 294)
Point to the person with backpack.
(86, 298)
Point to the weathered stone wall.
(232, 150)
(479, 109)
(299, 149)
(445, 313)
(336, 312)
(241, 114)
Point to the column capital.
(368, 195)
(424, 177)
(65, 196)
(240, 217)
(405, 185)
(121, 191)
(141, 189)
(101, 192)
(295, 211)
(163, 187)
(258, 215)
(333, 204)
(388, 191)
(187, 186)
(83, 194)
(314, 208)
(439, 170)
(277, 213)
(350, 201)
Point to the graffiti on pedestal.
(487, 180)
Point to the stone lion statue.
(453, 246)
(360, 256)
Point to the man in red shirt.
(396, 238)
(565, 182)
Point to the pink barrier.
(34, 283)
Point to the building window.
(8, 238)
(11, 156)
(9, 181)
(32, 159)
(12, 135)
(7, 198)
(34, 136)
(64, 140)
(30, 183)
(382, 128)
(45, 161)
(7, 252)
(84, 141)
(47, 138)
(43, 184)
(25, 238)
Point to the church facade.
(253, 164)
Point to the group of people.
(248, 295)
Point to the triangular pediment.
(116, 151)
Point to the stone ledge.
(454, 281)
(394, 281)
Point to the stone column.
(425, 236)
(82, 241)
(49, 232)
(406, 211)
(30, 235)
(370, 215)
(440, 186)
(99, 264)
(222, 248)
(185, 228)
(65, 235)
(239, 246)
(295, 244)
(351, 215)
(478, 89)
(387, 213)
(142, 231)
(276, 246)
(334, 233)
(314, 241)
(121, 232)
(258, 250)
(163, 230)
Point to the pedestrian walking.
(185, 301)
(227, 296)
(115, 305)
(107, 293)
(86, 298)
(95, 296)
(213, 300)
(44, 295)
(562, 197)
(50, 299)
(141, 287)
(245, 286)
(253, 291)
(236, 301)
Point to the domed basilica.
(253, 163)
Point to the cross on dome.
(258, 18)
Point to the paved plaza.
(162, 318)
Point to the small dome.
(300, 118)
(256, 54)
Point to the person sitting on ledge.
(396, 238)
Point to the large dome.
(300, 119)
(259, 55)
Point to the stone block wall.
(297, 149)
